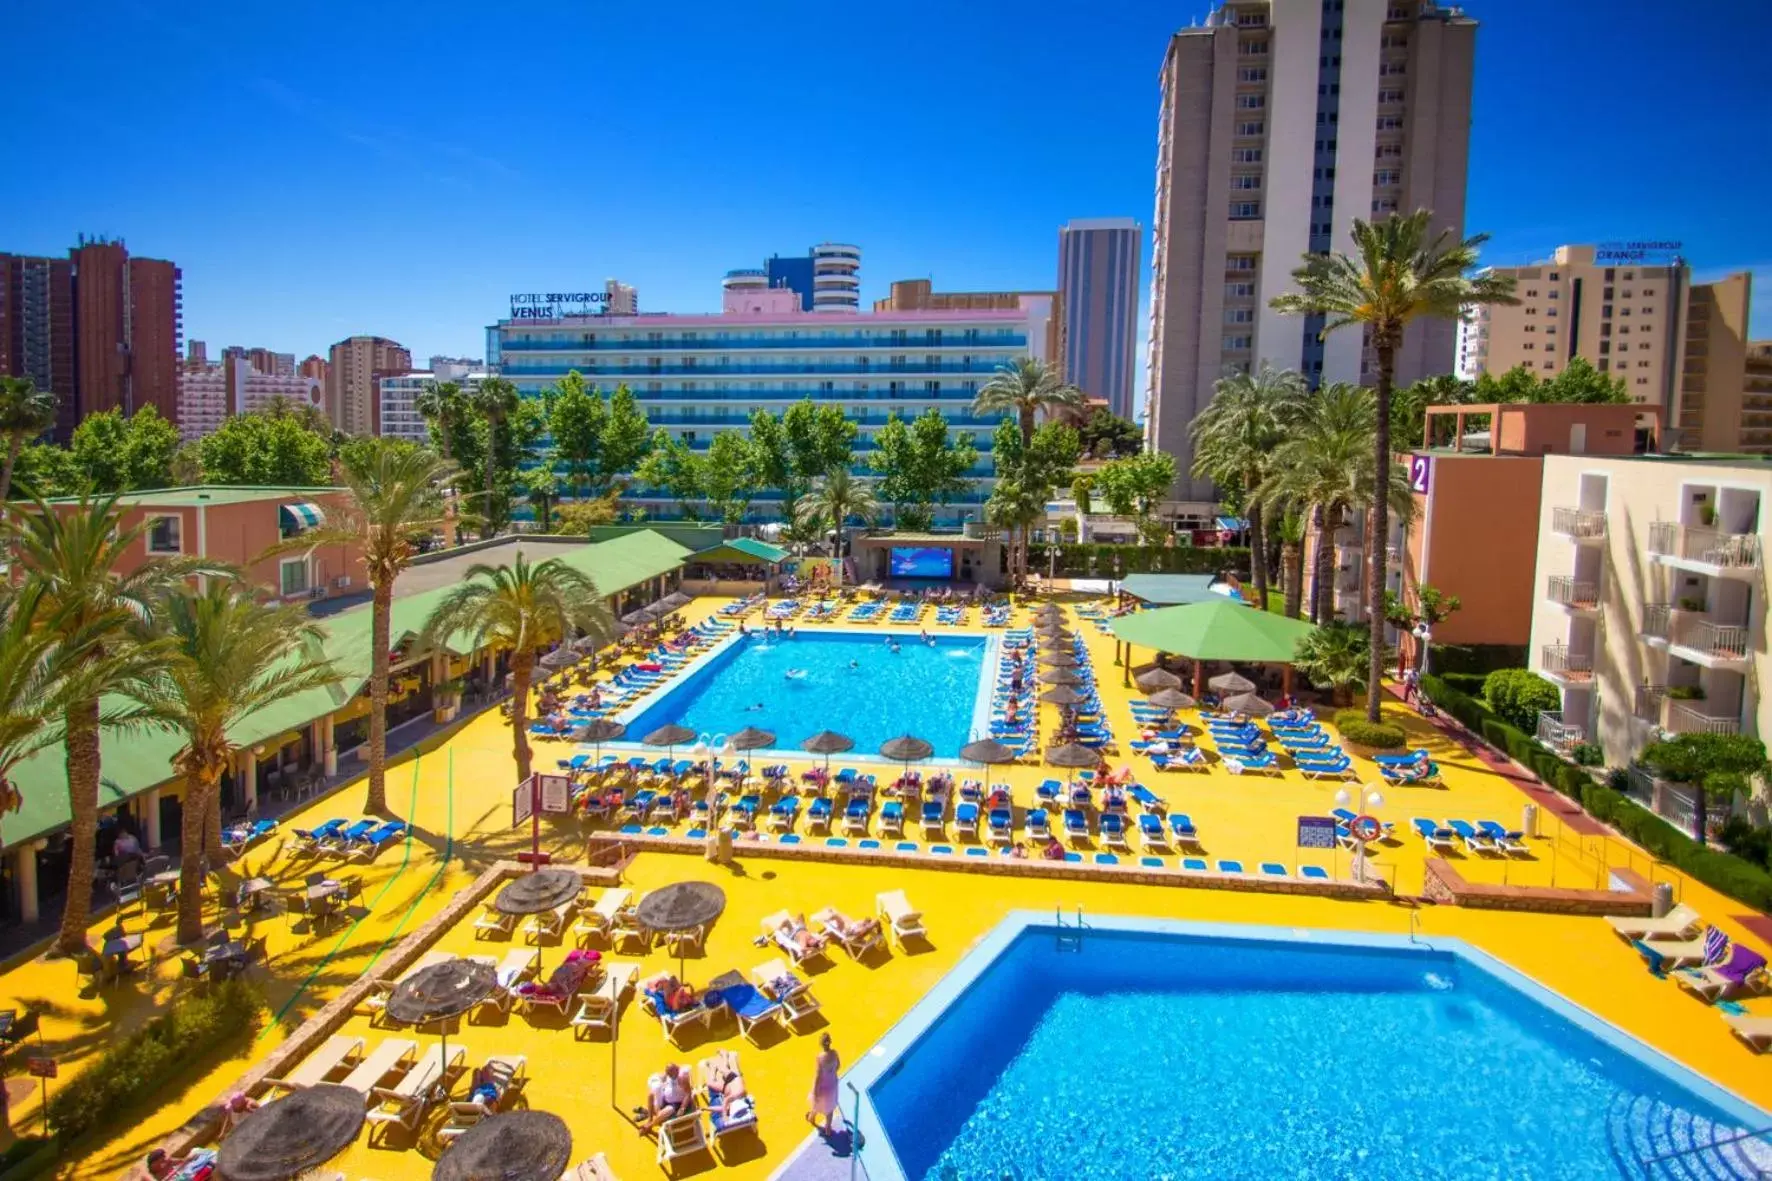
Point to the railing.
(1681, 718)
(1557, 734)
(1647, 706)
(1558, 660)
(1725, 641)
(1657, 620)
(1578, 523)
(520, 342)
(1572, 592)
(1714, 547)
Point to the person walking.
(823, 1099)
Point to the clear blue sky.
(323, 168)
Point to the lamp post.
(1425, 635)
(1051, 564)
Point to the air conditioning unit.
(342, 581)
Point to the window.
(1607, 293)
(1387, 176)
(1239, 262)
(1390, 123)
(1606, 311)
(1550, 364)
(1246, 181)
(1555, 294)
(1233, 343)
(292, 576)
(1239, 290)
(1239, 315)
(1390, 96)
(1245, 210)
(1251, 102)
(1246, 155)
(1253, 127)
(1392, 69)
(1531, 311)
(1253, 47)
(163, 536)
(1252, 74)
(1528, 345)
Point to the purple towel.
(1742, 962)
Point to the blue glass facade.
(793, 272)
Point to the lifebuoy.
(1366, 828)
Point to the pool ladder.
(1069, 935)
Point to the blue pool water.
(1145, 1055)
(927, 691)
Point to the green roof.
(1169, 589)
(742, 549)
(206, 494)
(135, 762)
(1221, 630)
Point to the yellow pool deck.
(458, 796)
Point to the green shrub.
(1695, 758)
(1519, 694)
(1074, 559)
(1686, 693)
(1586, 754)
(136, 1066)
(1477, 660)
(1746, 841)
(1471, 683)
(1378, 735)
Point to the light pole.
(1425, 635)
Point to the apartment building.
(399, 394)
(1756, 398)
(1098, 272)
(37, 328)
(1649, 611)
(919, 295)
(1282, 121)
(209, 394)
(353, 376)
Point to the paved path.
(822, 1158)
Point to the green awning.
(743, 550)
(300, 516)
(1169, 589)
(1223, 630)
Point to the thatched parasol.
(1171, 699)
(828, 743)
(539, 892)
(1232, 683)
(681, 907)
(676, 601)
(1158, 678)
(292, 1135)
(1248, 703)
(559, 658)
(1060, 676)
(988, 751)
(1059, 658)
(1063, 695)
(751, 738)
(670, 737)
(442, 991)
(1072, 755)
(510, 1146)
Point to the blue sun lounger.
(1049, 789)
(818, 815)
(1113, 830)
(1150, 832)
(1476, 842)
(782, 814)
(1147, 799)
(1076, 824)
(375, 841)
(1418, 755)
(966, 821)
(1038, 827)
(1437, 836)
(1001, 823)
(1512, 841)
(1182, 825)
(934, 817)
(892, 818)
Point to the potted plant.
(1686, 692)
(1707, 513)
(1691, 603)
(447, 700)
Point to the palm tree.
(443, 406)
(1335, 656)
(1023, 388)
(541, 488)
(25, 413)
(226, 656)
(1234, 440)
(1290, 529)
(495, 400)
(524, 608)
(31, 687)
(1015, 505)
(91, 596)
(836, 498)
(395, 496)
(1401, 275)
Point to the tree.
(1023, 388)
(1083, 492)
(1719, 764)
(576, 421)
(1132, 487)
(47, 470)
(1105, 435)
(124, 454)
(819, 438)
(494, 400)
(265, 449)
(444, 407)
(1234, 439)
(671, 467)
(1431, 606)
(1334, 656)
(1581, 382)
(577, 517)
(1401, 275)
(919, 466)
(31, 685)
(224, 657)
(834, 501)
(770, 463)
(394, 496)
(1027, 477)
(80, 598)
(1409, 405)
(1519, 696)
(726, 481)
(623, 438)
(523, 608)
(25, 413)
(541, 487)
(1291, 531)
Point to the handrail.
(1649, 1162)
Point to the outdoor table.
(119, 949)
(167, 877)
(251, 890)
(233, 949)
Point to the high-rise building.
(315, 366)
(196, 354)
(1098, 282)
(793, 271)
(827, 277)
(620, 299)
(209, 394)
(271, 364)
(37, 329)
(1756, 398)
(1676, 345)
(128, 330)
(353, 400)
(399, 393)
(454, 368)
(1281, 122)
(919, 295)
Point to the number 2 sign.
(1419, 468)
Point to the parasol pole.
(534, 822)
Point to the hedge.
(139, 1065)
(1073, 559)
(1378, 735)
(1477, 660)
(1724, 872)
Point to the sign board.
(1316, 832)
(523, 801)
(551, 305)
(40, 1067)
(1647, 253)
(1421, 469)
(556, 794)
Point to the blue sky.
(322, 168)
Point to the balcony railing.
(1657, 619)
(1681, 718)
(1647, 706)
(1579, 523)
(1738, 551)
(1558, 660)
(1572, 592)
(1557, 734)
(1725, 641)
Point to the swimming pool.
(1149, 1049)
(848, 681)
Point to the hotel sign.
(551, 305)
(1645, 253)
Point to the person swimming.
(892, 645)
(751, 709)
(795, 674)
(855, 664)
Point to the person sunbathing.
(850, 929)
(727, 1097)
(678, 996)
(667, 1096)
(794, 935)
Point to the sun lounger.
(493, 921)
(933, 818)
(752, 1008)
(892, 818)
(1419, 755)
(1475, 841)
(1145, 798)
(784, 813)
(561, 987)
(600, 1008)
(1745, 968)
(373, 842)
(810, 953)
(1038, 827)
(515, 970)
(1682, 922)
(966, 822)
(1151, 837)
(1181, 826)
(600, 919)
(1259, 764)
(1332, 768)
(795, 995)
(854, 936)
(594, 1169)
(1113, 830)
(682, 1136)
(1511, 842)
(1751, 1028)
(1712, 947)
(904, 922)
(1076, 824)
(405, 1103)
(391, 1054)
(818, 815)
(1002, 823)
(674, 1021)
(550, 923)
(504, 1073)
(339, 1052)
(1186, 758)
(1438, 837)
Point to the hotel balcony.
(1705, 551)
(1657, 623)
(1687, 717)
(1559, 735)
(1705, 642)
(1579, 524)
(1573, 593)
(1648, 703)
(1558, 663)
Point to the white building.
(400, 418)
(210, 394)
(455, 368)
(1473, 343)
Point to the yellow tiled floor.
(458, 797)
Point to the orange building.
(238, 524)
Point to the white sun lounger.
(405, 1102)
(905, 922)
(1679, 923)
(680, 1137)
(340, 1050)
(600, 919)
(391, 1055)
(600, 1009)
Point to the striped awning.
(301, 516)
